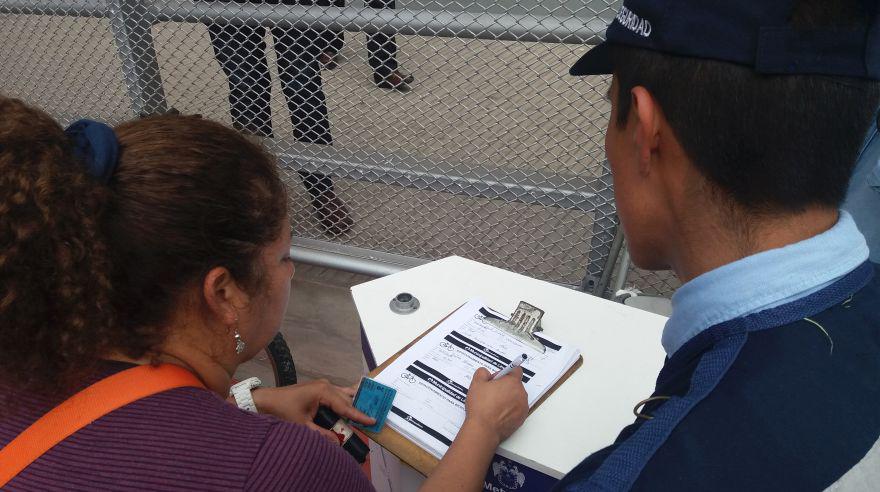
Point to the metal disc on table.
(404, 303)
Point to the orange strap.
(87, 406)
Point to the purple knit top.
(181, 439)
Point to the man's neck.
(709, 241)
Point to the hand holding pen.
(514, 363)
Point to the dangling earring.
(239, 343)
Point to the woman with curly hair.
(158, 254)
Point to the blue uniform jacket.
(783, 399)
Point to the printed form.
(432, 377)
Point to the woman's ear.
(223, 296)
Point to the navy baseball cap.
(756, 33)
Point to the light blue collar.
(764, 280)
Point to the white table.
(620, 346)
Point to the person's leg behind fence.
(382, 54)
(331, 41)
(241, 51)
(300, 71)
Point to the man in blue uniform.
(733, 133)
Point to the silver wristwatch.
(242, 393)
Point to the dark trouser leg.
(301, 81)
(334, 40)
(300, 73)
(241, 51)
(319, 186)
(329, 42)
(382, 48)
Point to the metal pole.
(608, 269)
(421, 22)
(558, 193)
(604, 224)
(622, 272)
(350, 258)
(471, 25)
(73, 8)
(131, 22)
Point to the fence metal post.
(604, 223)
(621, 273)
(131, 22)
(603, 287)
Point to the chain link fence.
(489, 150)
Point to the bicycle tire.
(282, 361)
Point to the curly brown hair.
(86, 268)
(55, 307)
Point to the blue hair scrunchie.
(96, 145)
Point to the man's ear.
(647, 126)
(223, 296)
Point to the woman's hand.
(501, 405)
(299, 403)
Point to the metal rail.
(566, 192)
(421, 22)
(350, 258)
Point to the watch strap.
(242, 392)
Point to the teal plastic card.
(374, 399)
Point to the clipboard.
(411, 453)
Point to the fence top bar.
(485, 25)
(73, 8)
(350, 258)
(422, 22)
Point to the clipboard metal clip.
(523, 324)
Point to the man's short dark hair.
(771, 143)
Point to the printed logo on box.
(507, 474)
